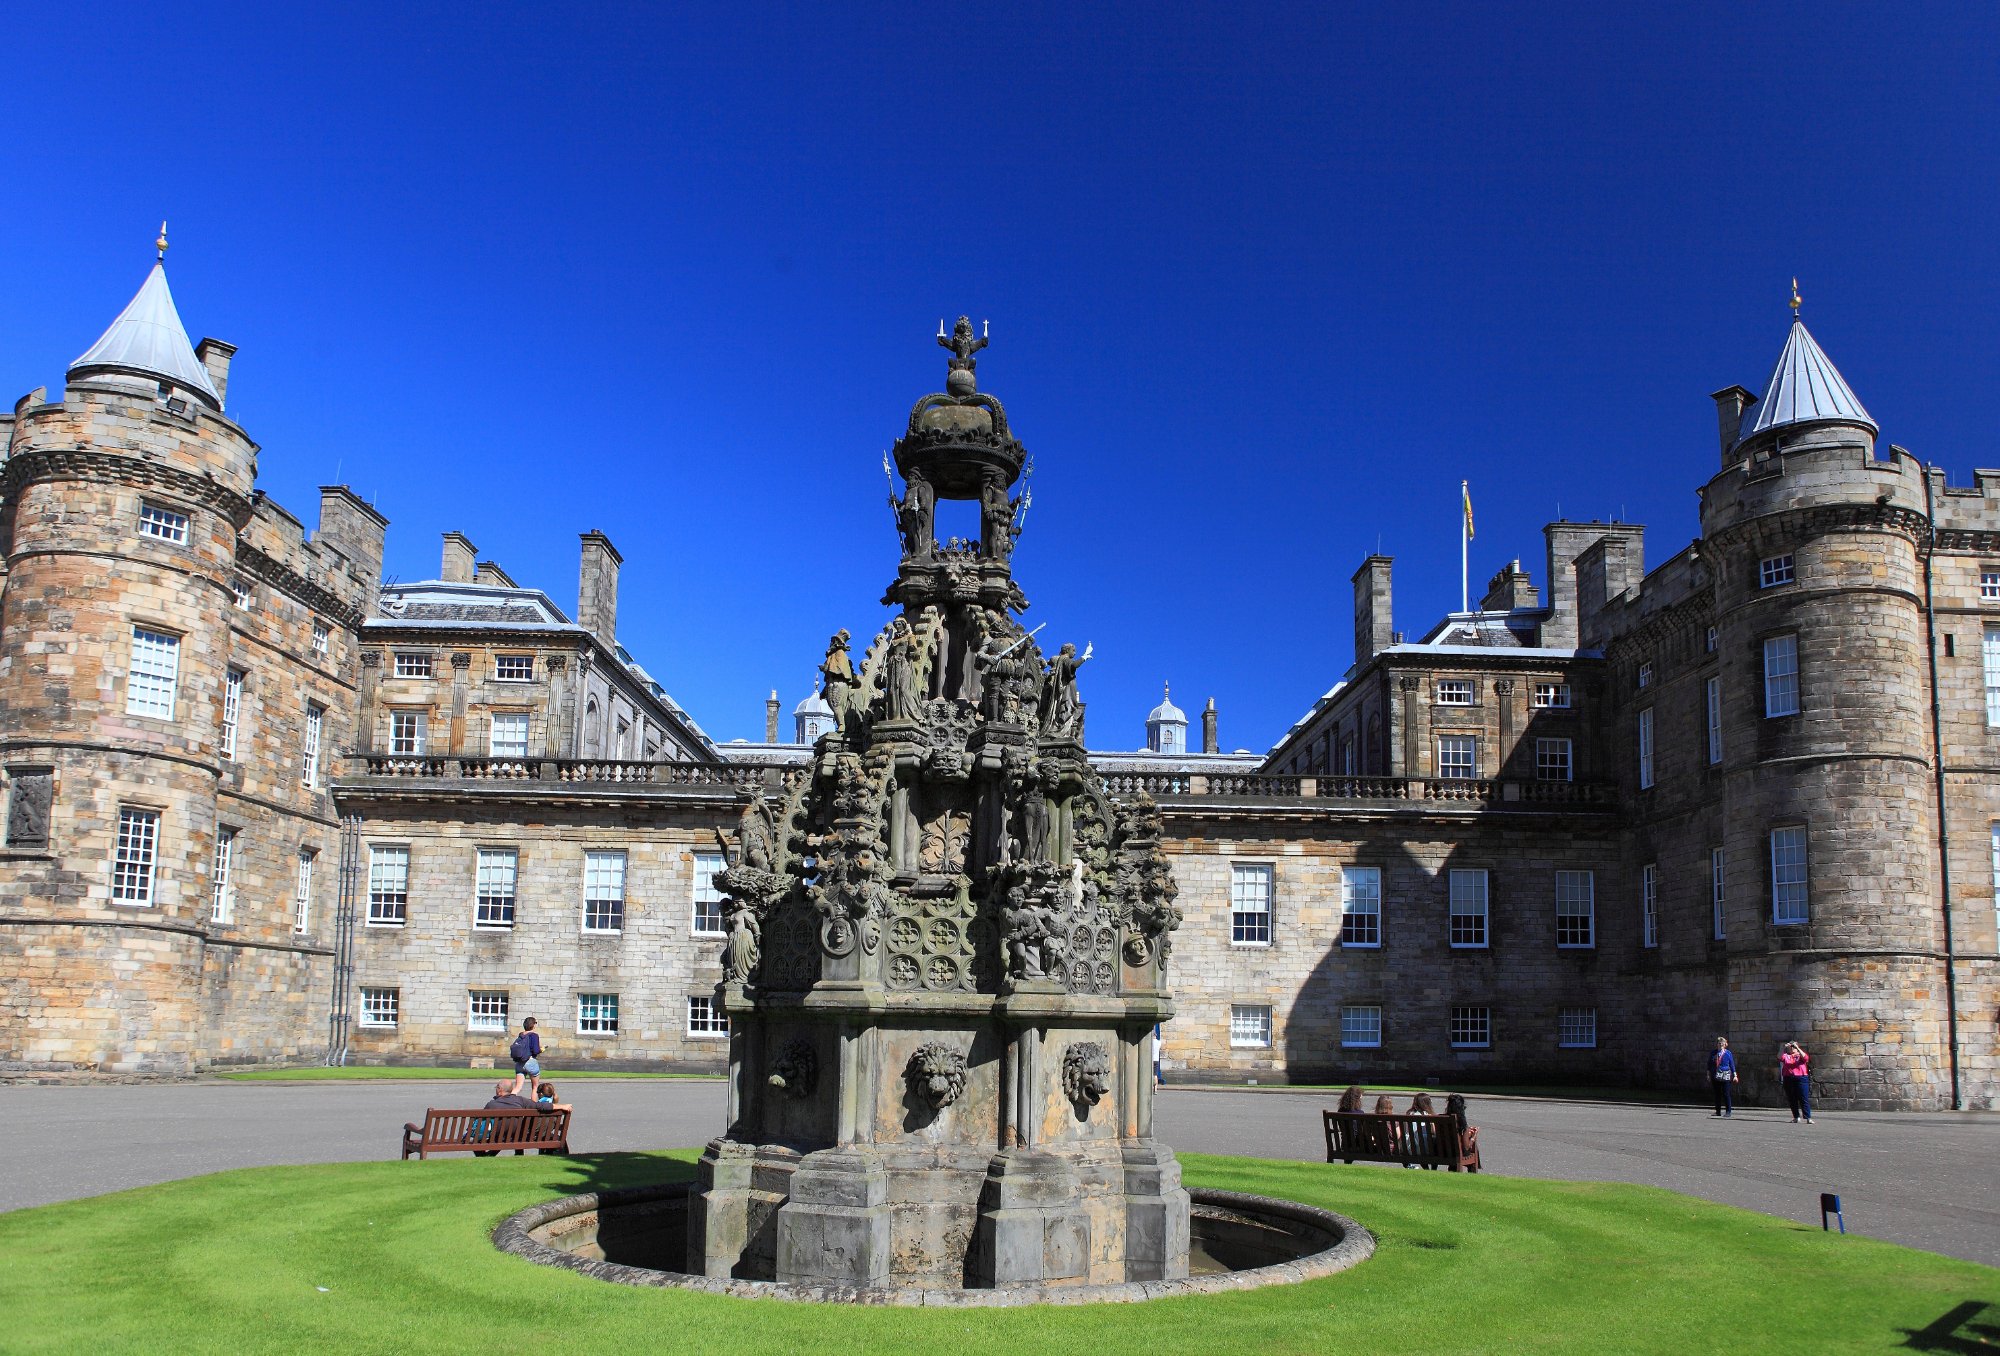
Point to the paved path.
(1925, 1180)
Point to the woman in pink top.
(1795, 1066)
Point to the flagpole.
(1464, 551)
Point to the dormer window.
(1773, 571)
(165, 523)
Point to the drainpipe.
(1937, 765)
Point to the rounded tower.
(1166, 725)
(122, 505)
(1830, 919)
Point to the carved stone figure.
(1032, 925)
(914, 516)
(796, 1070)
(899, 686)
(996, 520)
(1033, 842)
(1062, 709)
(28, 811)
(937, 1075)
(1007, 674)
(963, 344)
(1086, 1074)
(741, 952)
(838, 670)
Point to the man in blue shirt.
(527, 1052)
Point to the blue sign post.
(1829, 1204)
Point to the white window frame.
(1712, 696)
(1361, 904)
(705, 1018)
(486, 1010)
(597, 1014)
(222, 892)
(322, 638)
(496, 884)
(232, 711)
(409, 732)
(1712, 641)
(135, 857)
(1458, 757)
(388, 885)
(1470, 899)
(1716, 890)
(604, 891)
(241, 593)
(511, 747)
(1649, 904)
(315, 731)
(414, 664)
(1645, 749)
(154, 680)
(1791, 886)
(1551, 696)
(1576, 910)
(1470, 1026)
(1781, 677)
(1989, 584)
(1576, 1028)
(302, 892)
(1253, 888)
(1454, 692)
(163, 523)
(1361, 1026)
(1249, 1026)
(1989, 659)
(705, 906)
(1775, 570)
(525, 663)
(1646, 675)
(381, 1007)
(1554, 761)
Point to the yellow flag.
(1465, 491)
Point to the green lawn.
(1558, 1092)
(368, 1072)
(394, 1257)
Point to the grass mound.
(395, 1257)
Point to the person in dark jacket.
(526, 1052)
(1722, 1078)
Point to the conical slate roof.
(1805, 388)
(147, 338)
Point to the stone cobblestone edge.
(515, 1235)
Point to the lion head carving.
(937, 1074)
(1086, 1074)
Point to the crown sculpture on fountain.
(947, 942)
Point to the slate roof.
(147, 338)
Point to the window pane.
(597, 1013)
(1713, 696)
(132, 866)
(1468, 908)
(156, 668)
(603, 891)
(1576, 908)
(1471, 1028)
(1788, 875)
(1781, 676)
(163, 523)
(1361, 1026)
(1715, 888)
(232, 711)
(1250, 904)
(222, 902)
(1361, 906)
(1249, 1026)
(706, 1017)
(302, 894)
(1649, 904)
(486, 1010)
(510, 734)
(1457, 756)
(707, 899)
(496, 871)
(379, 1007)
(1646, 748)
(388, 885)
(1576, 1028)
(315, 725)
(1552, 760)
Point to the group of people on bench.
(1403, 1139)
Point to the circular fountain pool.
(638, 1236)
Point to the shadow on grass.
(580, 1173)
(1959, 1329)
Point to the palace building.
(260, 808)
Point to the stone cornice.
(287, 580)
(1816, 519)
(1695, 610)
(35, 465)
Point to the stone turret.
(948, 946)
(1814, 547)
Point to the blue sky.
(1265, 283)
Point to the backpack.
(520, 1051)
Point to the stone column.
(364, 721)
(461, 669)
(556, 719)
(1409, 692)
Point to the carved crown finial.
(963, 343)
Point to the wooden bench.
(488, 1131)
(1416, 1140)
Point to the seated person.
(545, 1099)
(1351, 1099)
(1421, 1138)
(1383, 1134)
(506, 1097)
(1468, 1133)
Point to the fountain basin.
(638, 1236)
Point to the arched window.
(592, 729)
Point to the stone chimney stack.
(1510, 590)
(1374, 627)
(355, 530)
(771, 717)
(460, 557)
(214, 356)
(597, 586)
(1208, 742)
(1730, 402)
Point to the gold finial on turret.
(1797, 300)
(161, 243)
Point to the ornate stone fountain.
(947, 946)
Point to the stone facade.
(1506, 740)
